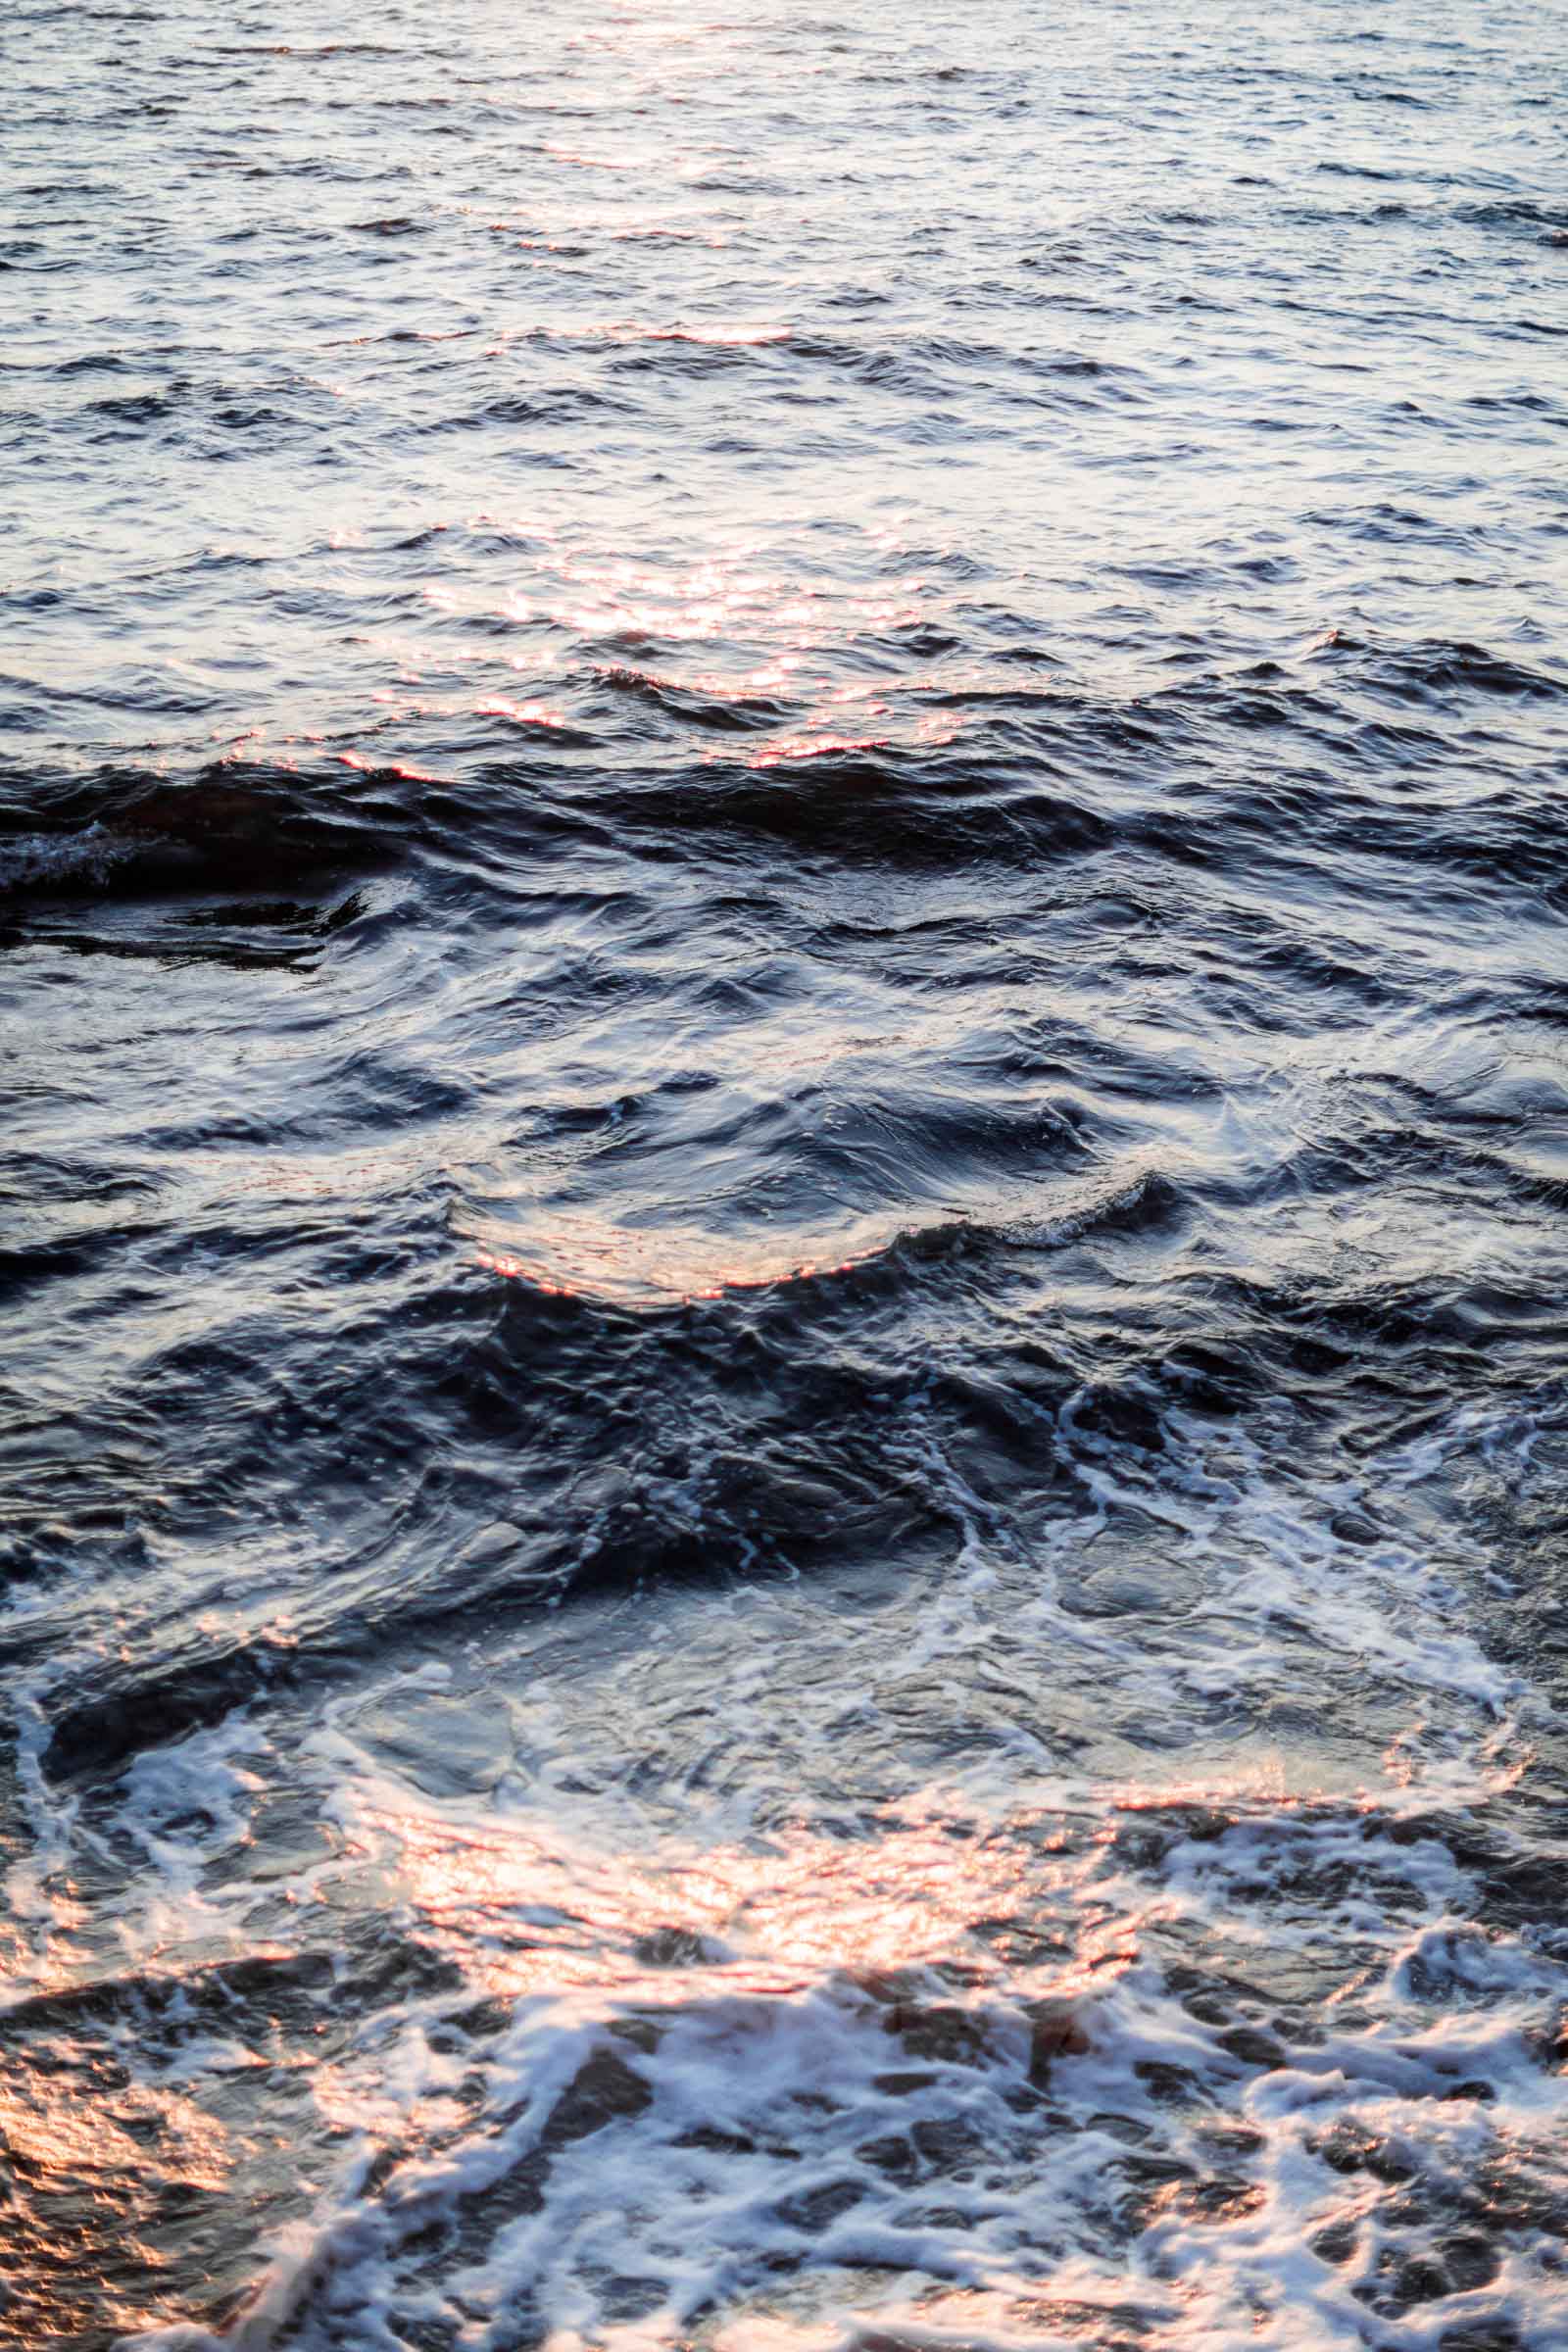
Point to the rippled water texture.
(782, 877)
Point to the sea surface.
(784, 1392)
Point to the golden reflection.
(814, 747)
(928, 731)
(367, 766)
(742, 620)
(606, 1262)
(733, 593)
(92, 2162)
(526, 1912)
(522, 715)
(53, 2123)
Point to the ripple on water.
(781, 866)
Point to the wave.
(229, 826)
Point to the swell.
(559, 1448)
(230, 825)
(1365, 761)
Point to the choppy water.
(786, 1142)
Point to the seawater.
(782, 848)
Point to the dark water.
(784, 864)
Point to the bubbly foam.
(1209, 2057)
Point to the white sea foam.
(738, 2174)
(28, 860)
(759, 2059)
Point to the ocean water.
(783, 856)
